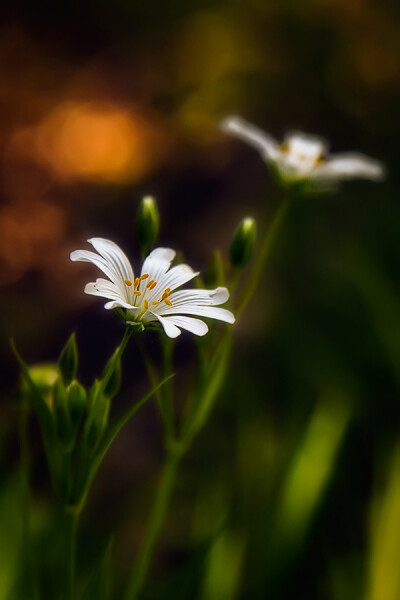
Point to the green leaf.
(68, 361)
(99, 584)
(213, 378)
(108, 439)
(113, 384)
(40, 405)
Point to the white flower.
(150, 298)
(303, 158)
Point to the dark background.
(101, 103)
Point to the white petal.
(222, 314)
(193, 325)
(170, 329)
(174, 278)
(347, 166)
(310, 147)
(114, 256)
(254, 136)
(116, 304)
(200, 297)
(158, 262)
(95, 259)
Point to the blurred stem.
(25, 497)
(157, 516)
(263, 256)
(71, 516)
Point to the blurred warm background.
(103, 103)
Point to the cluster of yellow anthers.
(150, 286)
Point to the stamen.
(128, 282)
(152, 284)
(145, 276)
(137, 281)
(165, 295)
(146, 304)
(137, 293)
(284, 147)
(155, 302)
(167, 301)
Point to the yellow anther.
(137, 281)
(168, 290)
(155, 302)
(146, 304)
(167, 301)
(165, 295)
(137, 293)
(145, 276)
(284, 147)
(152, 284)
(128, 282)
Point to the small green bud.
(147, 223)
(243, 242)
(76, 398)
(68, 361)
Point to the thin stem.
(71, 516)
(263, 256)
(157, 516)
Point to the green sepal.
(68, 361)
(136, 326)
(243, 242)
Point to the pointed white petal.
(222, 314)
(158, 262)
(114, 256)
(304, 145)
(254, 136)
(193, 325)
(170, 329)
(200, 297)
(95, 259)
(174, 278)
(347, 166)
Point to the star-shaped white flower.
(304, 158)
(150, 298)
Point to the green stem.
(157, 515)
(263, 256)
(71, 516)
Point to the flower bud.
(243, 242)
(147, 223)
(68, 361)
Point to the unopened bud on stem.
(243, 242)
(147, 223)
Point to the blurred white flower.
(150, 298)
(303, 158)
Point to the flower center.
(144, 303)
